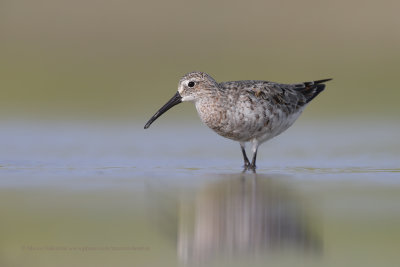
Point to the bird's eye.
(190, 84)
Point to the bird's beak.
(175, 100)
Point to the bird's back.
(297, 94)
(262, 109)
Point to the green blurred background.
(122, 59)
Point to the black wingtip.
(323, 81)
(312, 89)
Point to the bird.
(247, 111)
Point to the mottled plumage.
(245, 111)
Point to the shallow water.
(88, 194)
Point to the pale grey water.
(91, 194)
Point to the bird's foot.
(249, 167)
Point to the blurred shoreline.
(68, 60)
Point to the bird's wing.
(282, 96)
(288, 97)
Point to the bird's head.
(195, 85)
(192, 87)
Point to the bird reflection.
(241, 216)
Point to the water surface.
(100, 195)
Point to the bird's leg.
(253, 161)
(246, 160)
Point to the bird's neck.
(210, 110)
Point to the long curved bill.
(175, 100)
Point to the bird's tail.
(311, 89)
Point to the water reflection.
(240, 216)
